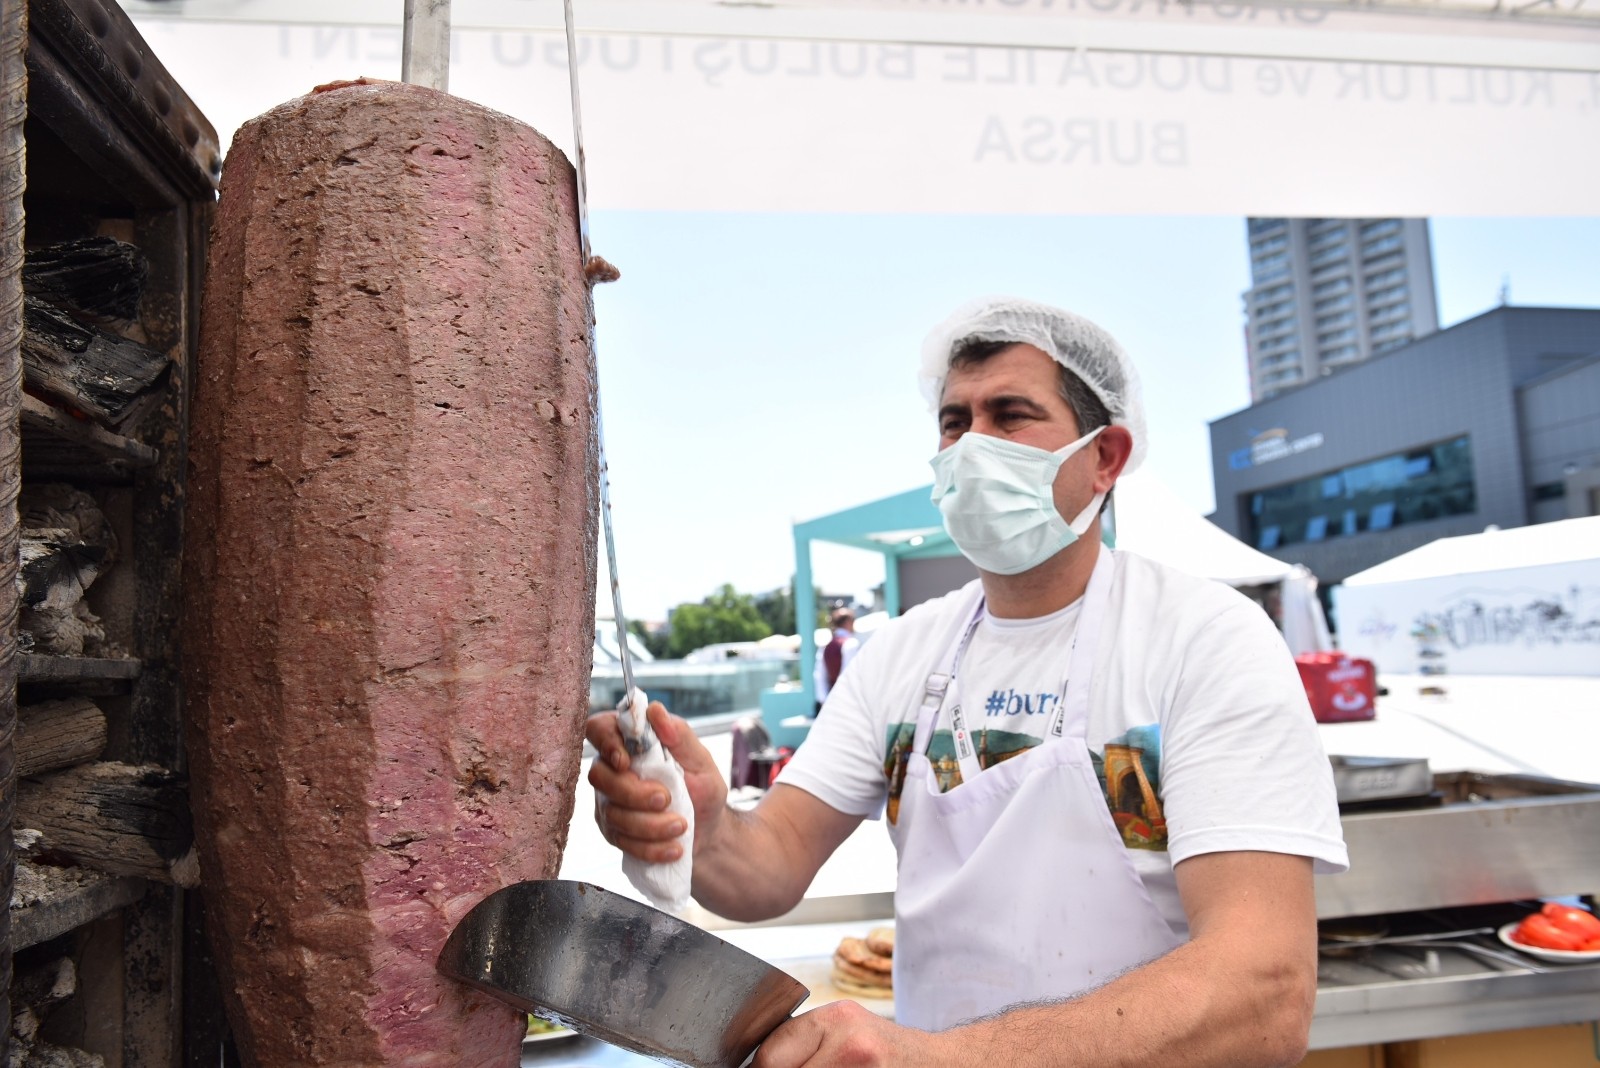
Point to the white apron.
(1015, 885)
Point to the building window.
(1379, 228)
(1270, 267)
(1389, 312)
(1327, 235)
(1340, 354)
(1328, 289)
(1327, 322)
(1385, 278)
(1415, 486)
(1330, 304)
(1549, 491)
(1331, 254)
(1377, 248)
(1270, 245)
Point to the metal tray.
(1357, 778)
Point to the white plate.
(1558, 956)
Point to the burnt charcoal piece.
(56, 568)
(389, 567)
(58, 734)
(97, 276)
(117, 818)
(109, 378)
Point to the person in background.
(1103, 781)
(834, 657)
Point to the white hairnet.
(1071, 340)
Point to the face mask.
(997, 501)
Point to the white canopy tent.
(1505, 602)
(1244, 107)
(1152, 521)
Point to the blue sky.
(760, 369)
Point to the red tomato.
(1538, 931)
(1572, 920)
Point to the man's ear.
(1112, 449)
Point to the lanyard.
(942, 687)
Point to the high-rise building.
(1328, 293)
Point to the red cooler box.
(1340, 688)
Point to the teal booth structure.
(905, 526)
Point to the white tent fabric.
(1305, 626)
(1027, 106)
(1561, 542)
(1152, 521)
(1524, 601)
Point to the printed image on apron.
(1129, 770)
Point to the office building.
(1495, 421)
(1328, 293)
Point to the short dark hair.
(841, 616)
(1088, 409)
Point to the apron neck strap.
(938, 682)
(1071, 718)
(1072, 715)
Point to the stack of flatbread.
(863, 967)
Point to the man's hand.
(634, 821)
(845, 1035)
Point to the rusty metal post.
(13, 110)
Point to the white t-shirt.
(1195, 706)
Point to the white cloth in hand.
(666, 886)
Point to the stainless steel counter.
(1400, 994)
(1394, 994)
(1493, 838)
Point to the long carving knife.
(635, 728)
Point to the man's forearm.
(756, 865)
(734, 873)
(1193, 1008)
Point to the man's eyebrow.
(1013, 400)
(953, 409)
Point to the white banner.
(864, 118)
(1522, 621)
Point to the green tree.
(655, 641)
(725, 616)
(777, 608)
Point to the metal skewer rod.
(636, 733)
(425, 44)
